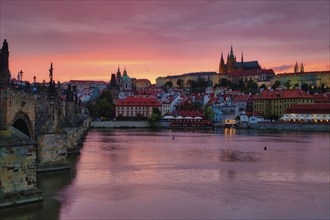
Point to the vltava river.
(222, 174)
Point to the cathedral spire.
(231, 52)
(222, 68)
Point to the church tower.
(231, 60)
(118, 77)
(302, 69)
(125, 72)
(222, 67)
(296, 68)
(242, 62)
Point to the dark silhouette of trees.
(103, 106)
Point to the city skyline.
(88, 40)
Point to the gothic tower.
(231, 60)
(4, 64)
(296, 68)
(4, 83)
(222, 67)
(302, 69)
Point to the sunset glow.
(89, 39)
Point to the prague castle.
(232, 65)
(237, 70)
(232, 70)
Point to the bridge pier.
(52, 152)
(18, 178)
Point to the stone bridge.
(37, 131)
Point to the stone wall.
(52, 152)
(292, 126)
(120, 124)
(18, 180)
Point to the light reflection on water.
(226, 174)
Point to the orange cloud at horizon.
(66, 68)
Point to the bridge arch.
(23, 123)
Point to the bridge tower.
(4, 84)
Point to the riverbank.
(120, 124)
(291, 126)
(260, 126)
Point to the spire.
(242, 58)
(296, 68)
(231, 52)
(125, 72)
(118, 72)
(222, 68)
(302, 69)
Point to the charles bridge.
(37, 131)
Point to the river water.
(222, 174)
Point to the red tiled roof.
(309, 109)
(138, 101)
(321, 98)
(240, 98)
(141, 80)
(282, 94)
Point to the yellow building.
(212, 76)
(274, 103)
(316, 78)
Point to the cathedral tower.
(231, 60)
(222, 67)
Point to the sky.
(88, 40)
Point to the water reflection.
(238, 156)
(130, 174)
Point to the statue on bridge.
(52, 90)
(69, 94)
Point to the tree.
(287, 84)
(276, 84)
(304, 87)
(168, 84)
(208, 112)
(103, 106)
(154, 117)
(180, 83)
(323, 89)
(224, 82)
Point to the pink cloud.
(163, 34)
